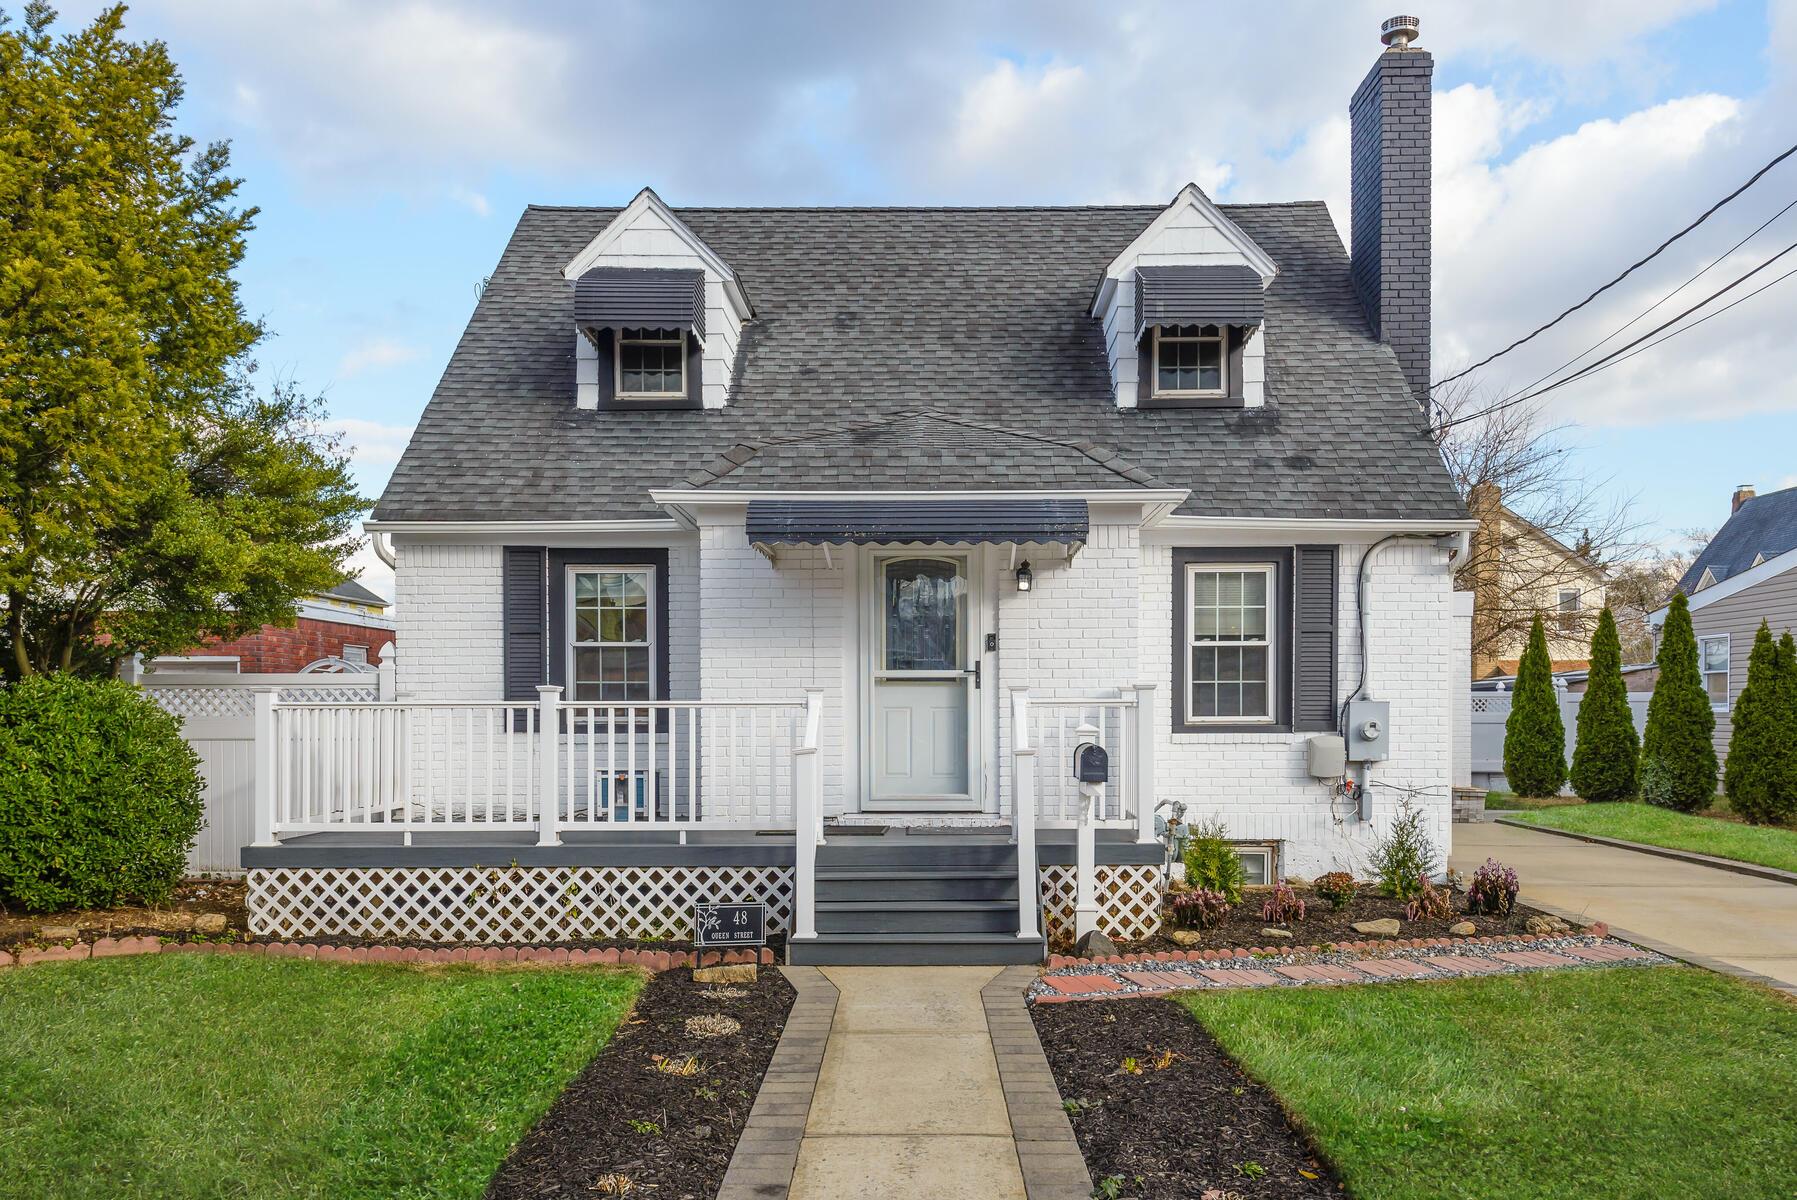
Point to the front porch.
(455, 821)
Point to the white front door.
(923, 679)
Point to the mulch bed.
(1195, 1127)
(686, 1127)
(1322, 924)
(174, 920)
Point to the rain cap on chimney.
(1399, 32)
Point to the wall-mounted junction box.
(1327, 756)
(1369, 730)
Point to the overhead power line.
(1632, 268)
(1524, 395)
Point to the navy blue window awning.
(891, 522)
(632, 297)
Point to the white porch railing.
(546, 766)
(1125, 728)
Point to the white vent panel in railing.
(1129, 901)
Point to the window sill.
(1190, 402)
(648, 403)
(1181, 726)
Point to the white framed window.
(611, 634)
(1569, 610)
(355, 654)
(1258, 864)
(650, 364)
(1191, 360)
(1229, 635)
(1712, 660)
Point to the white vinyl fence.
(217, 714)
(1490, 712)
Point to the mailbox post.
(1091, 770)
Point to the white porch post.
(1144, 785)
(1023, 813)
(265, 700)
(549, 805)
(807, 818)
(1085, 878)
(387, 675)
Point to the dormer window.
(1191, 360)
(651, 364)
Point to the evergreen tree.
(1608, 751)
(1784, 775)
(1756, 760)
(1678, 760)
(1534, 736)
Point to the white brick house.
(741, 521)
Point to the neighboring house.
(346, 627)
(1518, 571)
(858, 515)
(1747, 574)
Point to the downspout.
(383, 550)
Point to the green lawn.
(1769, 846)
(1509, 801)
(182, 1076)
(1664, 1081)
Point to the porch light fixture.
(1026, 579)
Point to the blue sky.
(391, 146)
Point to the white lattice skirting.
(503, 904)
(1129, 901)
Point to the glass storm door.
(922, 684)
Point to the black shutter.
(695, 370)
(523, 615)
(1145, 367)
(1314, 629)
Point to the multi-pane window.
(611, 636)
(1189, 360)
(1712, 659)
(651, 362)
(1229, 639)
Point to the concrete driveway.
(1738, 919)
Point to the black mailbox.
(1091, 763)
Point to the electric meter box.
(1369, 730)
(1327, 755)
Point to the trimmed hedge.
(1534, 736)
(100, 798)
(1608, 750)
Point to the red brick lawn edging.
(1126, 976)
(542, 956)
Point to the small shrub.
(1283, 906)
(1406, 854)
(1338, 888)
(1212, 863)
(1199, 908)
(1429, 903)
(1493, 889)
(100, 798)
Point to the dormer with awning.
(1184, 312)
(657, 314)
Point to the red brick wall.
(278, 650)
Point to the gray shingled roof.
(911, 450)
(979, 314)
(1765, 525)
(354, 592)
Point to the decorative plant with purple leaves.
(1200, 908)
(1428, 902)
(1282, 906)
(1338, 888)
(1493, 889)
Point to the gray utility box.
(1369, 730)
(1327, 756)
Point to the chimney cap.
(1398, 32)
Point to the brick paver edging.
(1734, 865)
(1053, 1167)
(542, 956)
(1106, 980)
(1592, 928)
(766, 1155)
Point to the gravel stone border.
(766, 1155)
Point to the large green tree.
(1608, 750)
(1751, 776)
(1678, 760)
(149, 495)
(1535, 736)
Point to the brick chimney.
(1743, 493)
(1389, 196)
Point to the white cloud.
(474, 201)
(373, 443)
(366, 567)
(374, 354)
(1003, 112)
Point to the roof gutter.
(1156, 503)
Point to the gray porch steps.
(898, 901)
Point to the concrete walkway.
(1739, 920)
(908, 1102)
